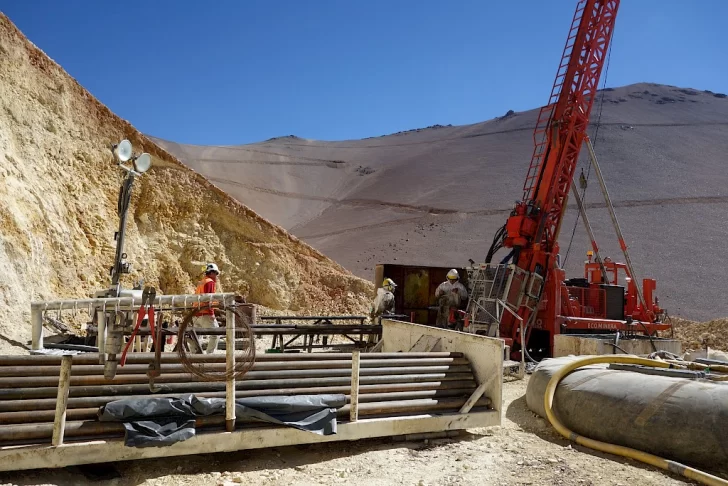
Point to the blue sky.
(244, 71)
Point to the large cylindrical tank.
(681, 419)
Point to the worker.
(450, 294)
(384, 301)
(206, 316)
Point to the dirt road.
(523, 451)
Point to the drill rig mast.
(532, 287)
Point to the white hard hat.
(211, 267)
(453, 275)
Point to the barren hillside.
(436, 196)
(58, 200)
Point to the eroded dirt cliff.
(58, 199)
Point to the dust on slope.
(58, 210)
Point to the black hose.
(124, 196)
(654, 348)
(531, 320)
(612, 344)
(497, 243)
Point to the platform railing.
(38, 310)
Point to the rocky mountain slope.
(58, 197)
(436, 196)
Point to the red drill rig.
(529, 288)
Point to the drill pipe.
(32, 432)
(90, 413)
(85, 391)
(436, 372)
(80, 370)
(97, 401)
(146, 358)
(301, 329)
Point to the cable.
(667, 465)
(594, 143)
(244, 360)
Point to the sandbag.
(685, 420)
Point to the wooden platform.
(35, 457)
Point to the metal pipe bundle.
(271, 329)
(145, 358)
(390, 384)
(83, 369)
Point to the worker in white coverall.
(384, 301)
(449, 294)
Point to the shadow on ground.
(132, 473)
(519, 413)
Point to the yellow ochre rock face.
(58, 196)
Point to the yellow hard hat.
(389, 284)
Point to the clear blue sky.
(243, 71)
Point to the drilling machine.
(528, 289)
(111, 324)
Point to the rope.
(594, 143)
(244, 359)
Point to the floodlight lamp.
(123, 150)
(143, 163)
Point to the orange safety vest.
(201, 290)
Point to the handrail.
(522, 369)
(159, 300)
(184, 301)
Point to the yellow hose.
(618, 450)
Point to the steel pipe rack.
(395, 392)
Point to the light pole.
(110, 336)
(139, 164)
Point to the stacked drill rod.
(389, 385)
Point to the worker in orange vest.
(206, 316)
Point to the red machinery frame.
(633, 308)
(533, 228)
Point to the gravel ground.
(523, 451)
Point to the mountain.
(436, 195)
(58, 200)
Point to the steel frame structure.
(532, 230)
